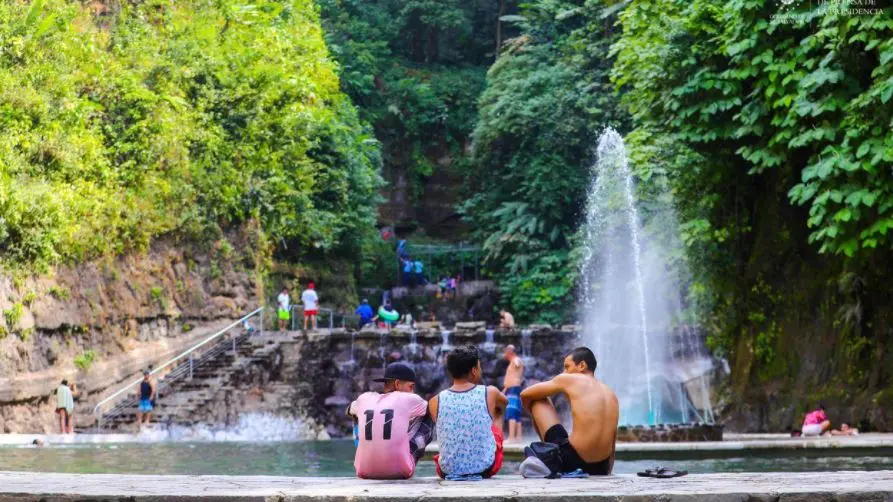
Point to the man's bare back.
(595, 412)
(594, 409)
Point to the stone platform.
(776, 487)
(742, 444)
(736, 445)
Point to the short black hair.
(462, 360)
(64, 381)
(584, 354)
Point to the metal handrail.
(296, 306)
(96, 409)
(181, 370)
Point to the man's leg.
(314, 322)
(139, 421)
(70, 422)
(826, 425)
(61, 414)
(305, 323)
(544, 416)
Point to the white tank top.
(467, 445)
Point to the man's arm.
(432, 408)
(542, 390)
(496, 401)
(351, 409)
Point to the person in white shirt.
(311, 304)
(65, 407)
(284, 308)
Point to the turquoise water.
(335, 458)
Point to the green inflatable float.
(388, 315)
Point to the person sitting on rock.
(506, 320)
(816, 422)
(466, 417)
(393, 427)
(594, 411)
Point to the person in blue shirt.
(365, 312)
(418, 269)
(407, 272)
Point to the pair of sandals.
(661, 473)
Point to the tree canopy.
(120, 122)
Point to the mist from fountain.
(631, 295)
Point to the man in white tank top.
(465, 417)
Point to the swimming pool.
(335, 458)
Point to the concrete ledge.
(823, 486)
(744, 445)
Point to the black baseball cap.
(397, 371)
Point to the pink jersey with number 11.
(383, 419)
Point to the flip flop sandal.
(661, 473)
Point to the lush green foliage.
(807, 90)
(415, 68)
(117, 126)
(752, 109)
(547, 99)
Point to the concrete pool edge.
(874, 486)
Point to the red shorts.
(497, 460)
(308, 313)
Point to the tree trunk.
(499, 28)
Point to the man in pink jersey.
(394, 427)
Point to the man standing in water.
(594, 410)
(147, 397)
(511, 387)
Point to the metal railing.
(183, 366)
(329, 313)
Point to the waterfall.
(631, 295)
(413, 345)
(445, 341)
(489, 344)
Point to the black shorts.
(570, 460)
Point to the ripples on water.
(335, 458)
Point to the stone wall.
(100, 323)
(336, 368)
(682, 433)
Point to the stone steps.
(181, 399)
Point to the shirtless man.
(594, 410)
(511, 387)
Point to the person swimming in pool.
(594, 410)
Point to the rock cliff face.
(100, 323)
